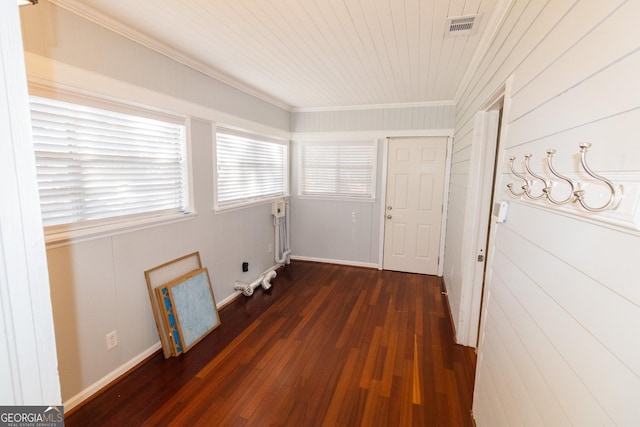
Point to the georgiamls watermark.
(32, 416)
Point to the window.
(250, 168)
(338, 169)
(97, 166)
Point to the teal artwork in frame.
(157, 277)
(194, 307)
(172, 327)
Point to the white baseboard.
(335, 261)
(228, 299)
(109, 378)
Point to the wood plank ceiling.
(309, 54)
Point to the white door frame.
(28, 360)
(445, 201)
(478, 210)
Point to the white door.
(414, 204)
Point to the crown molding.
(375, 106)
(494, 24)
(104, 21)
(48, 74)
(369, 134)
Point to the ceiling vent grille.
(461, 25)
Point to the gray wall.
(335, 230)
(98, 285)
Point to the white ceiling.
(306, 54)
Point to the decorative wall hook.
(571, 197)
(577, 193)
(616, 190)
(547, 184)
(526, 182)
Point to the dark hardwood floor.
(329, 346)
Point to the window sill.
(71, 236)
(337, 199)
(247, 204)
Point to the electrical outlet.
(270, 248)
(112, 340)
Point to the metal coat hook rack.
(577, 193)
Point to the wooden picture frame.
(193, 306)
(169, 321)
(161, 275)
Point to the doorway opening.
(485, 227)
(489, 127)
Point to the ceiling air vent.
(461, 25)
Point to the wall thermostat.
(500, 211)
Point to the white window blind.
(344, 169)
(249, 168)
(95, 164)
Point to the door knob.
(389, 217)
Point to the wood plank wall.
(562, 309)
